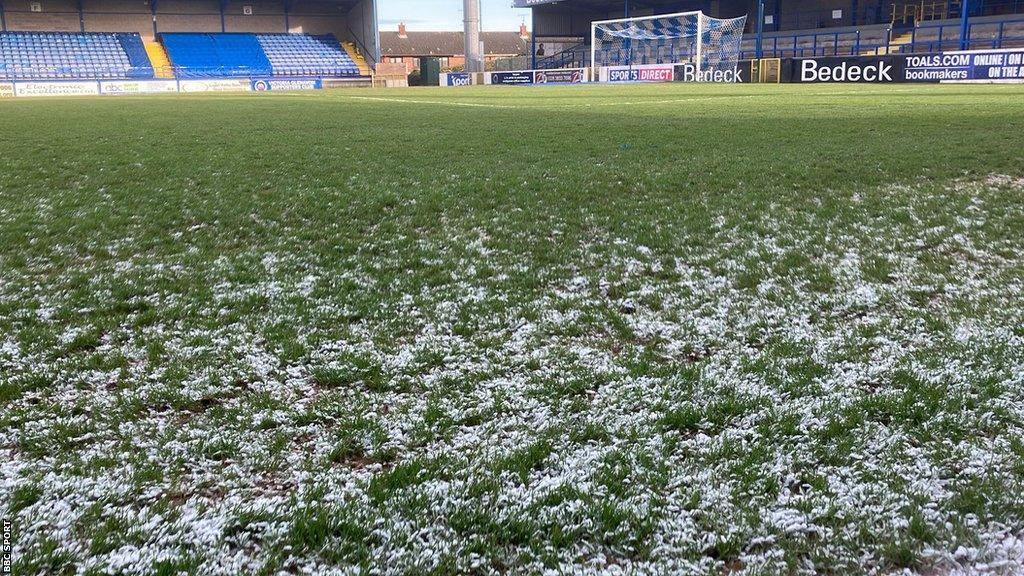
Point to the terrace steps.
(895, 43)
(158, 58)
(364, 67)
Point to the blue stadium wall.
(348, 20)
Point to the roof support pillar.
(759, 50)
(533, 39)
(965, 25)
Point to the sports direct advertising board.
(644, 73)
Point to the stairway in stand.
(895, 43)
(158, 58)
(364, 68)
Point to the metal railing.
(982, 35)
(818, 44)
(575, 56)
(1003, 34)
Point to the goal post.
(709, 44)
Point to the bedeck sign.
(648, 73)
(848, 69)
(688, 73)
(6, 90)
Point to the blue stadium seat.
(306, 55)
(72, 56)
(202, 55)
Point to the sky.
(428, 15)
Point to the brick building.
(403, 46)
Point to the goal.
(709, 44)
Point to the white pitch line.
(441, 102)
(617, 103)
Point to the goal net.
(710, 44)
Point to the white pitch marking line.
(617, 103)
(441, 102)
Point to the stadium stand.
(985, 32)
(202, 55)
(71, 56)
(198, 55)
(306, 55)
(358, 58)
(820, 42)
(561, 29)
(188, 39)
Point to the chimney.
(401, 30)
(523, 32)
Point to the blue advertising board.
(517, 78)
(270, 84)
(564, 76)
(977, 66)
(457, 79)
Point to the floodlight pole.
(533, 40)
(760, 30)
(965, 26)
(471, 23)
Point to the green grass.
(657, 329)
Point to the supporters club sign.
(271, 84)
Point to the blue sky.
(425, 15)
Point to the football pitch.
(647, 329)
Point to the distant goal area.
(767, 41)
(649, 47)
